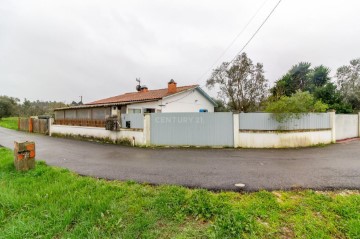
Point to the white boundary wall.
(346, 126)
(96, 132)
(273, 139)
(340, 127)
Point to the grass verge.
(56, 203)
(10, 123)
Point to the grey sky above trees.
(61, 49)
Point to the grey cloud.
(59, 50)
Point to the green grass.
(51, 202)
(10, 123)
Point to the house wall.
(189, 101)
(151, 104)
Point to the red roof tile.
(142, 96)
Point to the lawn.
(10, 123)
(51, 202)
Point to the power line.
(262, 24)
(234, 40)
(255, 33)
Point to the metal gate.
(192, 129)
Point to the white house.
(171, 99)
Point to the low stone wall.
(283, 139)
(100, 133)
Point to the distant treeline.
(10, 106)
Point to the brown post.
(18, 123)
(24, 156)
(30, 125)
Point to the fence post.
(30, 125)
(49, 125)
(19, 123)
(333, 125)
(146, 130)
(236, 119)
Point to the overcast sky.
(61, 49)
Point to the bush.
(293, 107)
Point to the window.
(134, 111)
(149, 110)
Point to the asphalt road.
(331, 167)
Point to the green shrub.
(295, 106)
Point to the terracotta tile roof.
(142, 96)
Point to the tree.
(8, 106)
(348, 80)
(242, 84)
(221, 106)
(301, 77)
(5, 108)
(31, 108)
(316, 81)
(331, 96)
(319, 76)
(297, 78)
(294, 106)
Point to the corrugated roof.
(141, 96)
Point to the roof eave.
(207, 96)
(104, 105)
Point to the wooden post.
(19, 123)
(31, 125)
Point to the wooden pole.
(30, 125)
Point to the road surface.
(332, 167)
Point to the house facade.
(167, 100)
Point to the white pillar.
(333, 126)
(146, 130)
(359, 125)
(50, 122)
(236, 122)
